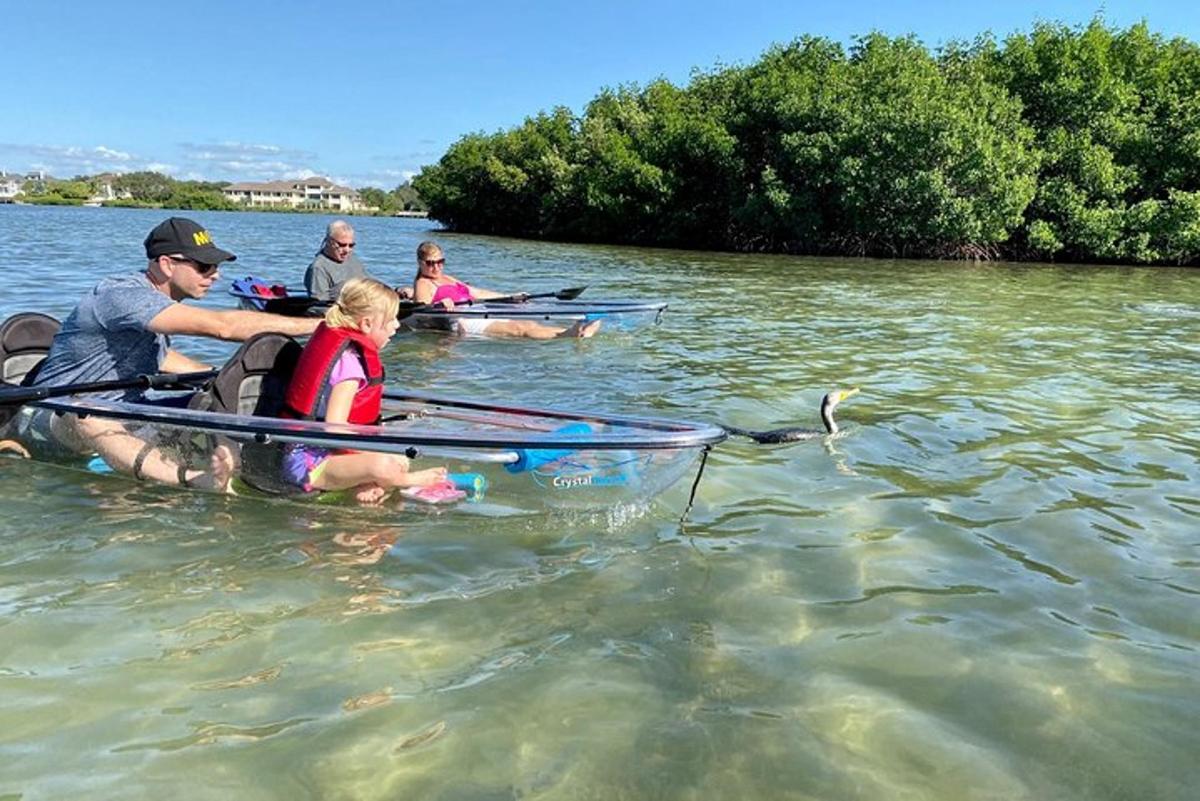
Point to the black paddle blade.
(296, 306)
(570, 294)
(410, 307)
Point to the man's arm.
(234, 326)
(176, 362)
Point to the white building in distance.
(315, 193)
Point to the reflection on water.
(987, 588)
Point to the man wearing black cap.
(120, 330)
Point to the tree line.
(1072, 144)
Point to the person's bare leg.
(135, 456)
(533, 330)
(346, 470)
(521, 328)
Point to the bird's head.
(830, 402)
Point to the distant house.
(315, 192)
(10, 186)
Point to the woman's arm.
(423, 290)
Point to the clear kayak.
(557, 309)
(516, 458)
(525, 458)
(616, 314)
(217, 422)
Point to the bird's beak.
(848, 393)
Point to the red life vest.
(317, 362)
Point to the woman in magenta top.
(433, 285)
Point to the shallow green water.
(988, 588)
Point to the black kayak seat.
(25, 340)
(255, 378)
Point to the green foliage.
(196, 196)
(146, 187)
(407, 198)
(402, 198)
(1078, 144)
(57, 193)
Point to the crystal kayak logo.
(568, 474)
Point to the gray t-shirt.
(106, 337)
(324, 277)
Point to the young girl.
(432, 285)
(339, 379)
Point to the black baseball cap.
(188, 239)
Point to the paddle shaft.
(563, 294)
(21, 395)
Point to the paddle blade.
(570, 294)
(409, 307)
(296, 306)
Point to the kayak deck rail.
(633, 433)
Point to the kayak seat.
(253, 382)
(254, 379)
(25, 340)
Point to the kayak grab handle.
(532, 458)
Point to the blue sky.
(368, 92)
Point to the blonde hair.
(427, 247)
(359, 298)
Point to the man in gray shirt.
(122, 329)
(334, 264)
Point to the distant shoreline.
(265, 209)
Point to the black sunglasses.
(204, 270)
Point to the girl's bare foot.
(369, 494)
(424, 478)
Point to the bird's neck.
(827, 418)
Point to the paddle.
(410, 308)
(295, 305)
(562, 294)
(15, 396)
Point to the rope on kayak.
(696, 483)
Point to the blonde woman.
(433, 286)
(339, 379)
